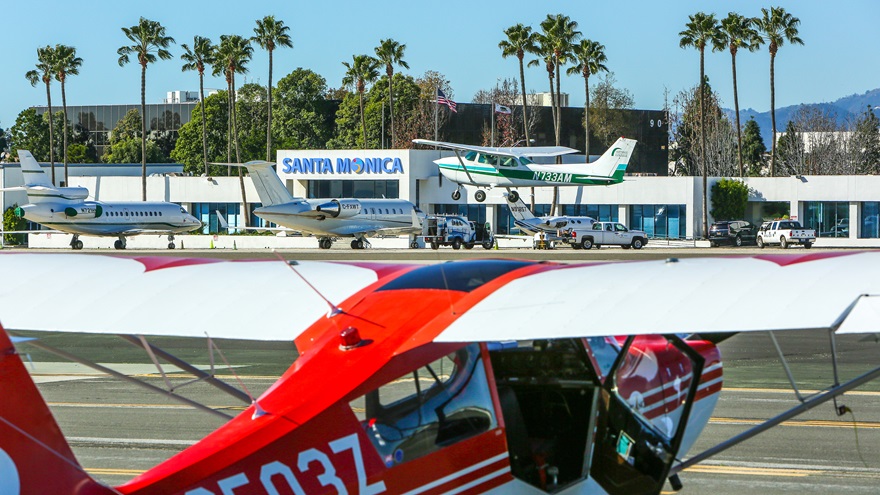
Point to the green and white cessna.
(512, 167)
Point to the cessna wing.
(516, 152)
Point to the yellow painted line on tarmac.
(864, 393)
(114, 472)
(137, 406)
(753, 471)
(814, 423)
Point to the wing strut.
(466, 171)
(116, 374)
(806, 405)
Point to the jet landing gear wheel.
(456, 195)
(325, 243)
(77, 245)
(480, 196)
(119, 244)
(171, 242)
(513, 196)
(357, 244)
(171, 245)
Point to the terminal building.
(844, 210)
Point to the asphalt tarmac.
(118, 431)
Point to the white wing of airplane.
(169, 296)
(694, 295)
(504, 151)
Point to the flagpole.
(492, 116)
(436, 114)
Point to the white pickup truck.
(606, 233)
(785, 233)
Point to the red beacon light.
(350, 338)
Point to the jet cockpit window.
(183, 210)
(432, 407)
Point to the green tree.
(362, 71)
(608, 119)
(78, 153)
(271, 34)
(46, 60)
(304, 118)
(866, 140)
(729, 199)
(189, 150)
(197, 58)
(349, 131)
(700, 31)
(148, 41)
(753, 147)
(590, 56)
(250, 109)
(30, 132)
(559, 34)
(776, 26)
(130, 150)
(520, 40)
(128, 127)
(232, 55)
(736, 32)
(13, 222)
(390, 53)
(66, 64)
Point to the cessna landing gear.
(325, 243)
(513, 196)
(456, 195)
(170, 241)
(75, 243)
(480, 196)
(120, 244)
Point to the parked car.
(734, 232)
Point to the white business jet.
(68, 210)
(330, 219)
(512, 167)
(530, 224)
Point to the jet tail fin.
(518, 208)
(613, 162)
(269, 187)
(34, 456)
(32, 171)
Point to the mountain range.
(848, 107)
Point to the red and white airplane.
(468, 377)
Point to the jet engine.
(336, 208)
(85, 210)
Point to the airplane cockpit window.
(432, 407)
(525, 161)
(470, 155)
(508, 161)
(183, 210)
(463, 277)
(489, 159)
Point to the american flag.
(442, 99)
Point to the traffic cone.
(212, 243)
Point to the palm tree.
(44, 72)
(230, 57)
(390, 53)
(363, 69)
(701, 30)
(776, 26)
(146, 37)
(546, 57)
(561, 34)
(590, 56)
(270, 34)
(66, 64)
(520, 40)
(196, 58)
(736, 32)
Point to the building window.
(663, 221)
(827, 218)
(362, 189)
(870, 216)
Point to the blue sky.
(457, 38)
